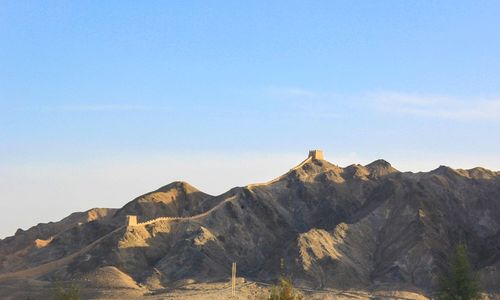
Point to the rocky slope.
(359, 227)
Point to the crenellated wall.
(131, 222)
(161, 219)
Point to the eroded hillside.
(357, 227)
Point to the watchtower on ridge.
(131, 220)
(316, 154)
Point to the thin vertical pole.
(233, 279)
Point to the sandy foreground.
(35, 289)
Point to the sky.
(101, 101)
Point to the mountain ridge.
(332, 227)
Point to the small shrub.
(68, 291)
(284, 291)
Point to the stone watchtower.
(316, 154)
(131, 220)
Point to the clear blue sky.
(125, 84)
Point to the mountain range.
(352, 228)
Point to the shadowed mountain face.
(353, 227)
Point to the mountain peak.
(380, 167)
(379, 163)
(444, 170)
(481, 173)
(176, 199)
(179, 185)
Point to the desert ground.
(245, 289)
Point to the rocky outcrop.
(27, 247)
